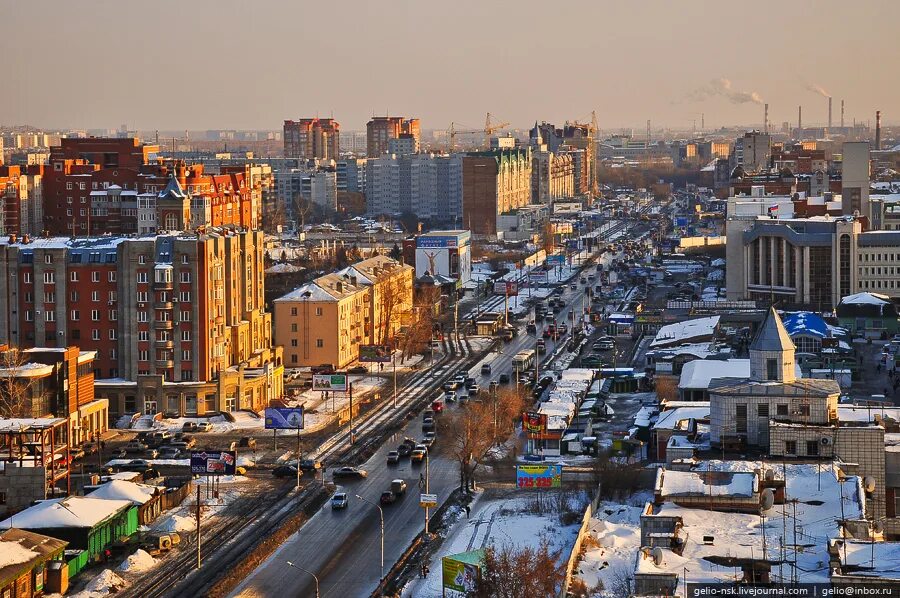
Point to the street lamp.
(290, 564)
(381, 513)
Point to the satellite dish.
(878, 527)
(766, 500)
(869, 484)
(770, 475)
(825, 441)
(657, 555)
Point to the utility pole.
(198, 526)
(350, 389)
(427, 480)
(394, 363)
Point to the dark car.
(358, 369)
(310, 465)
(404, 450)
(470, 382)
(286, 471)
(349, 472)
(531, 328)
(503, 379)
(393, 457)
(247, 441)
(388, 498)
(136, 465)
(325, 368)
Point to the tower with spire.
(772, 352)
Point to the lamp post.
(290, 564)
(381, 513)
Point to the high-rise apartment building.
(427, 185)
(177, 321)
(312, 138)
(494, 182)
(381, 129)
(752, 151)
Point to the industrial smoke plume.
(723, 87)
(818, 89)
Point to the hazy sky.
(196, 64)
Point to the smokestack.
(842, 114)
(766, 119)
(800, 122)
(877, 130)
(829, 112)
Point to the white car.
(339, 501)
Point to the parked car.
(248, 442)
(136, 465)
(427, 424)
(325, 368)
(310, 465)
(393, 457)
(503, 379)
(135, 447)
(339, 500)
(427, 441)
(358, 369)
(184, 445)
(349, 472)
(169, 452)
(286, 471)
(204, 427)
(190, 427)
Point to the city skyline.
(212, 70)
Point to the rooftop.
(72, 511)
(682, 332)
(772, 335)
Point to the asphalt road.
(343, 547)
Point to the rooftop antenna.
(766, 119)
(842, 114)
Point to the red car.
(437, 406)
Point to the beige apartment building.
(326, 320)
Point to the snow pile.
(13, 553)
(124, 490)
(245, 462)
(176, 523)
(616, 530)
(138, 562)
(104, 584)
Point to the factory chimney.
(766, 119)
(800, 122)
(829, 112)
(842, 114)
(877, 130)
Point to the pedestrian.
(468, 511)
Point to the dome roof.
(738, 173)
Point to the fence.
(575, 555)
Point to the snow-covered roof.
(870, 559)
(671, 484)
(865, 299)
(682, 332)
(23, 423)
(671, 420)
(18, 546)
(861, 414)
(811, 324)
(698, 373)
(124, 490)
(72, 511)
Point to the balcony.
(164, 324)
(160, 344)
(164, 305)
(163, 285)
(165, 363)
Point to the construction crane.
(593, 129)
(489, 129)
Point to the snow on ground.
(138, 562)
(184, 517)
(616, 531)
(104, 584)
(497, 522)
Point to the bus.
(523, 361)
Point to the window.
(812, 448)
(320, 343)
(112, 296)
(185, 276)
(318, 311)
(142, 316)
(143, 355)
(48, 258)
(73, 276)
(142, 277)
(143, 296)
(49, 315)
(293, 311)
(142, 259)
(771, 369)
(95, 315)
(26, 277)
(48, 278)
(185, 296)
(185, 356)
(293, 328)
(29, 298)
(781, 409)
(95, 296)
(95, 276)
(185, 316)
(790, 447)
(762, 410)
(112, 276)
(113, 315)
(294, 358)
(95, 334)
(75, 315)
(185, 335)
(143, 335)
(293, 342)
(112, 334)
(740, 424)
(29, 316)
(803, 409)
(50, 297)
(184, 258)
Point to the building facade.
(312, 138)
(494, 183)
(427, 185)
(382, 129)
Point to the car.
(470, 382)
(562, 329)
(427, 424)
(485, 369)
(189, 427)
(450, 396)
(387, 498)
(460, 380)
(310, 465)
(583, 281)
(135, 447)
(358, 369)
(503, 379)
(349, 472)
(604, 344)
(557, 309)
(169, 452)
(183, 446)
(474, 390)
(531, 328)
(427, 441)
(398, 487)
(325, 368)
(418, 455)
(437, 406)
(404, 450)
(393, 457)
(248, 442)
(463, 397)
(449, 386)
(136, 465)
(286, 471)
(339, 500)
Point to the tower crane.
(489, 129)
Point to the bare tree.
(421, 323)
(506, 406)
(20, 395)
(548, 243)
(469, 438)
(510, 572)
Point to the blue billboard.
(284, 418)
(557, 259)
(539, 476)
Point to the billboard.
(213, 462)
(506, 288)
(428, 500)
(435, 241)
(556, 259)
(375, 354)
(538, 276)
(326, 382)
(539, 476)
(534, 424)
(284, 418)
(460, 572)
(434, 261)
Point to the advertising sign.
(506, 288)
(374, 354)
(539, 476)
(534, 424)
(556, 259)
(428, 500)
(284, 418)
(429, 241)
(213, 462)
(538, 276)
(460, 572)
(327, 382)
